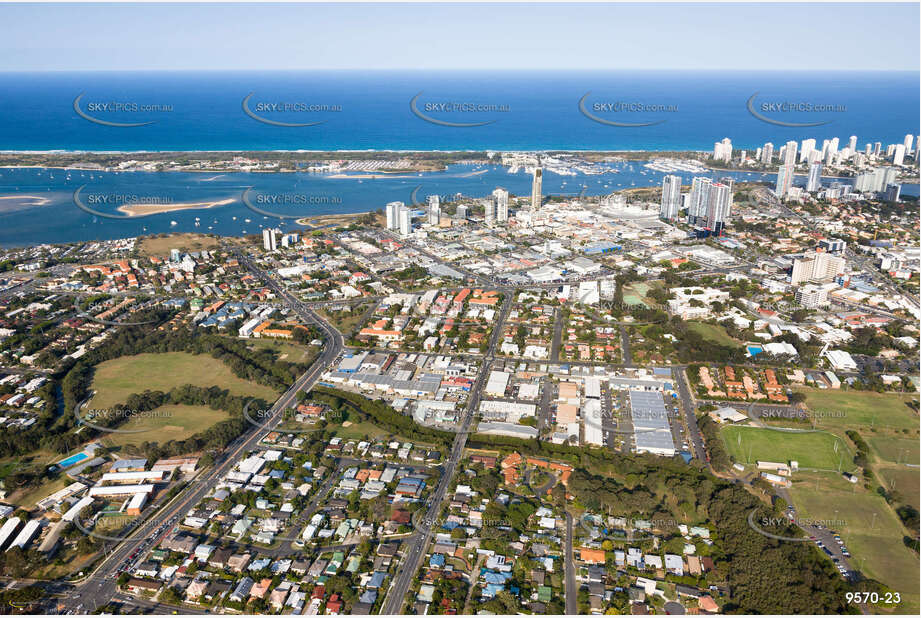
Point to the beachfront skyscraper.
(393, 215)
(784, 180)
(814, 182)
(490, 211)
(785, 172)
(671, 197)
(767, 153)
(434, 214)
(698, 199)
(718, 207)
(832, 152)
(806, 149)
(722, 150)
(405, 220)
(269, 240)
(536, 188)
(789, 153)
(501, 198)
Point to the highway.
(98, 588)
(415, 545)
(695, 440)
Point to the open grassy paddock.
(894, 449)
(852, 409)
(172, 422)
(715, 333)
(869, 528)
(116, 379)
(903, 480)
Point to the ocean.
(525, 110)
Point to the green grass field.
(714, 333)
(116, 379)
(871, 531)
(810, 449)
(850, 408)
(172, 422)
(905, 481)
(357, 431)
(895, 450)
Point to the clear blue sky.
(771, 36)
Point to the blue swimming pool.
(66, 463)
(755, 350)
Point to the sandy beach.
(137, 210)
(36, 200)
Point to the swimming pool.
(66, 463)
(755, 350)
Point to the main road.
(98, 588)
(414, 546)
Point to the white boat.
(173, 223)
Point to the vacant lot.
(712, 332)
(814, 449)
(161, 246)
(635, 293)
(173, 422)
(870, 529)
(287, 351)
(850, 409)
(116, 379)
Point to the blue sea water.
(371, 110)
